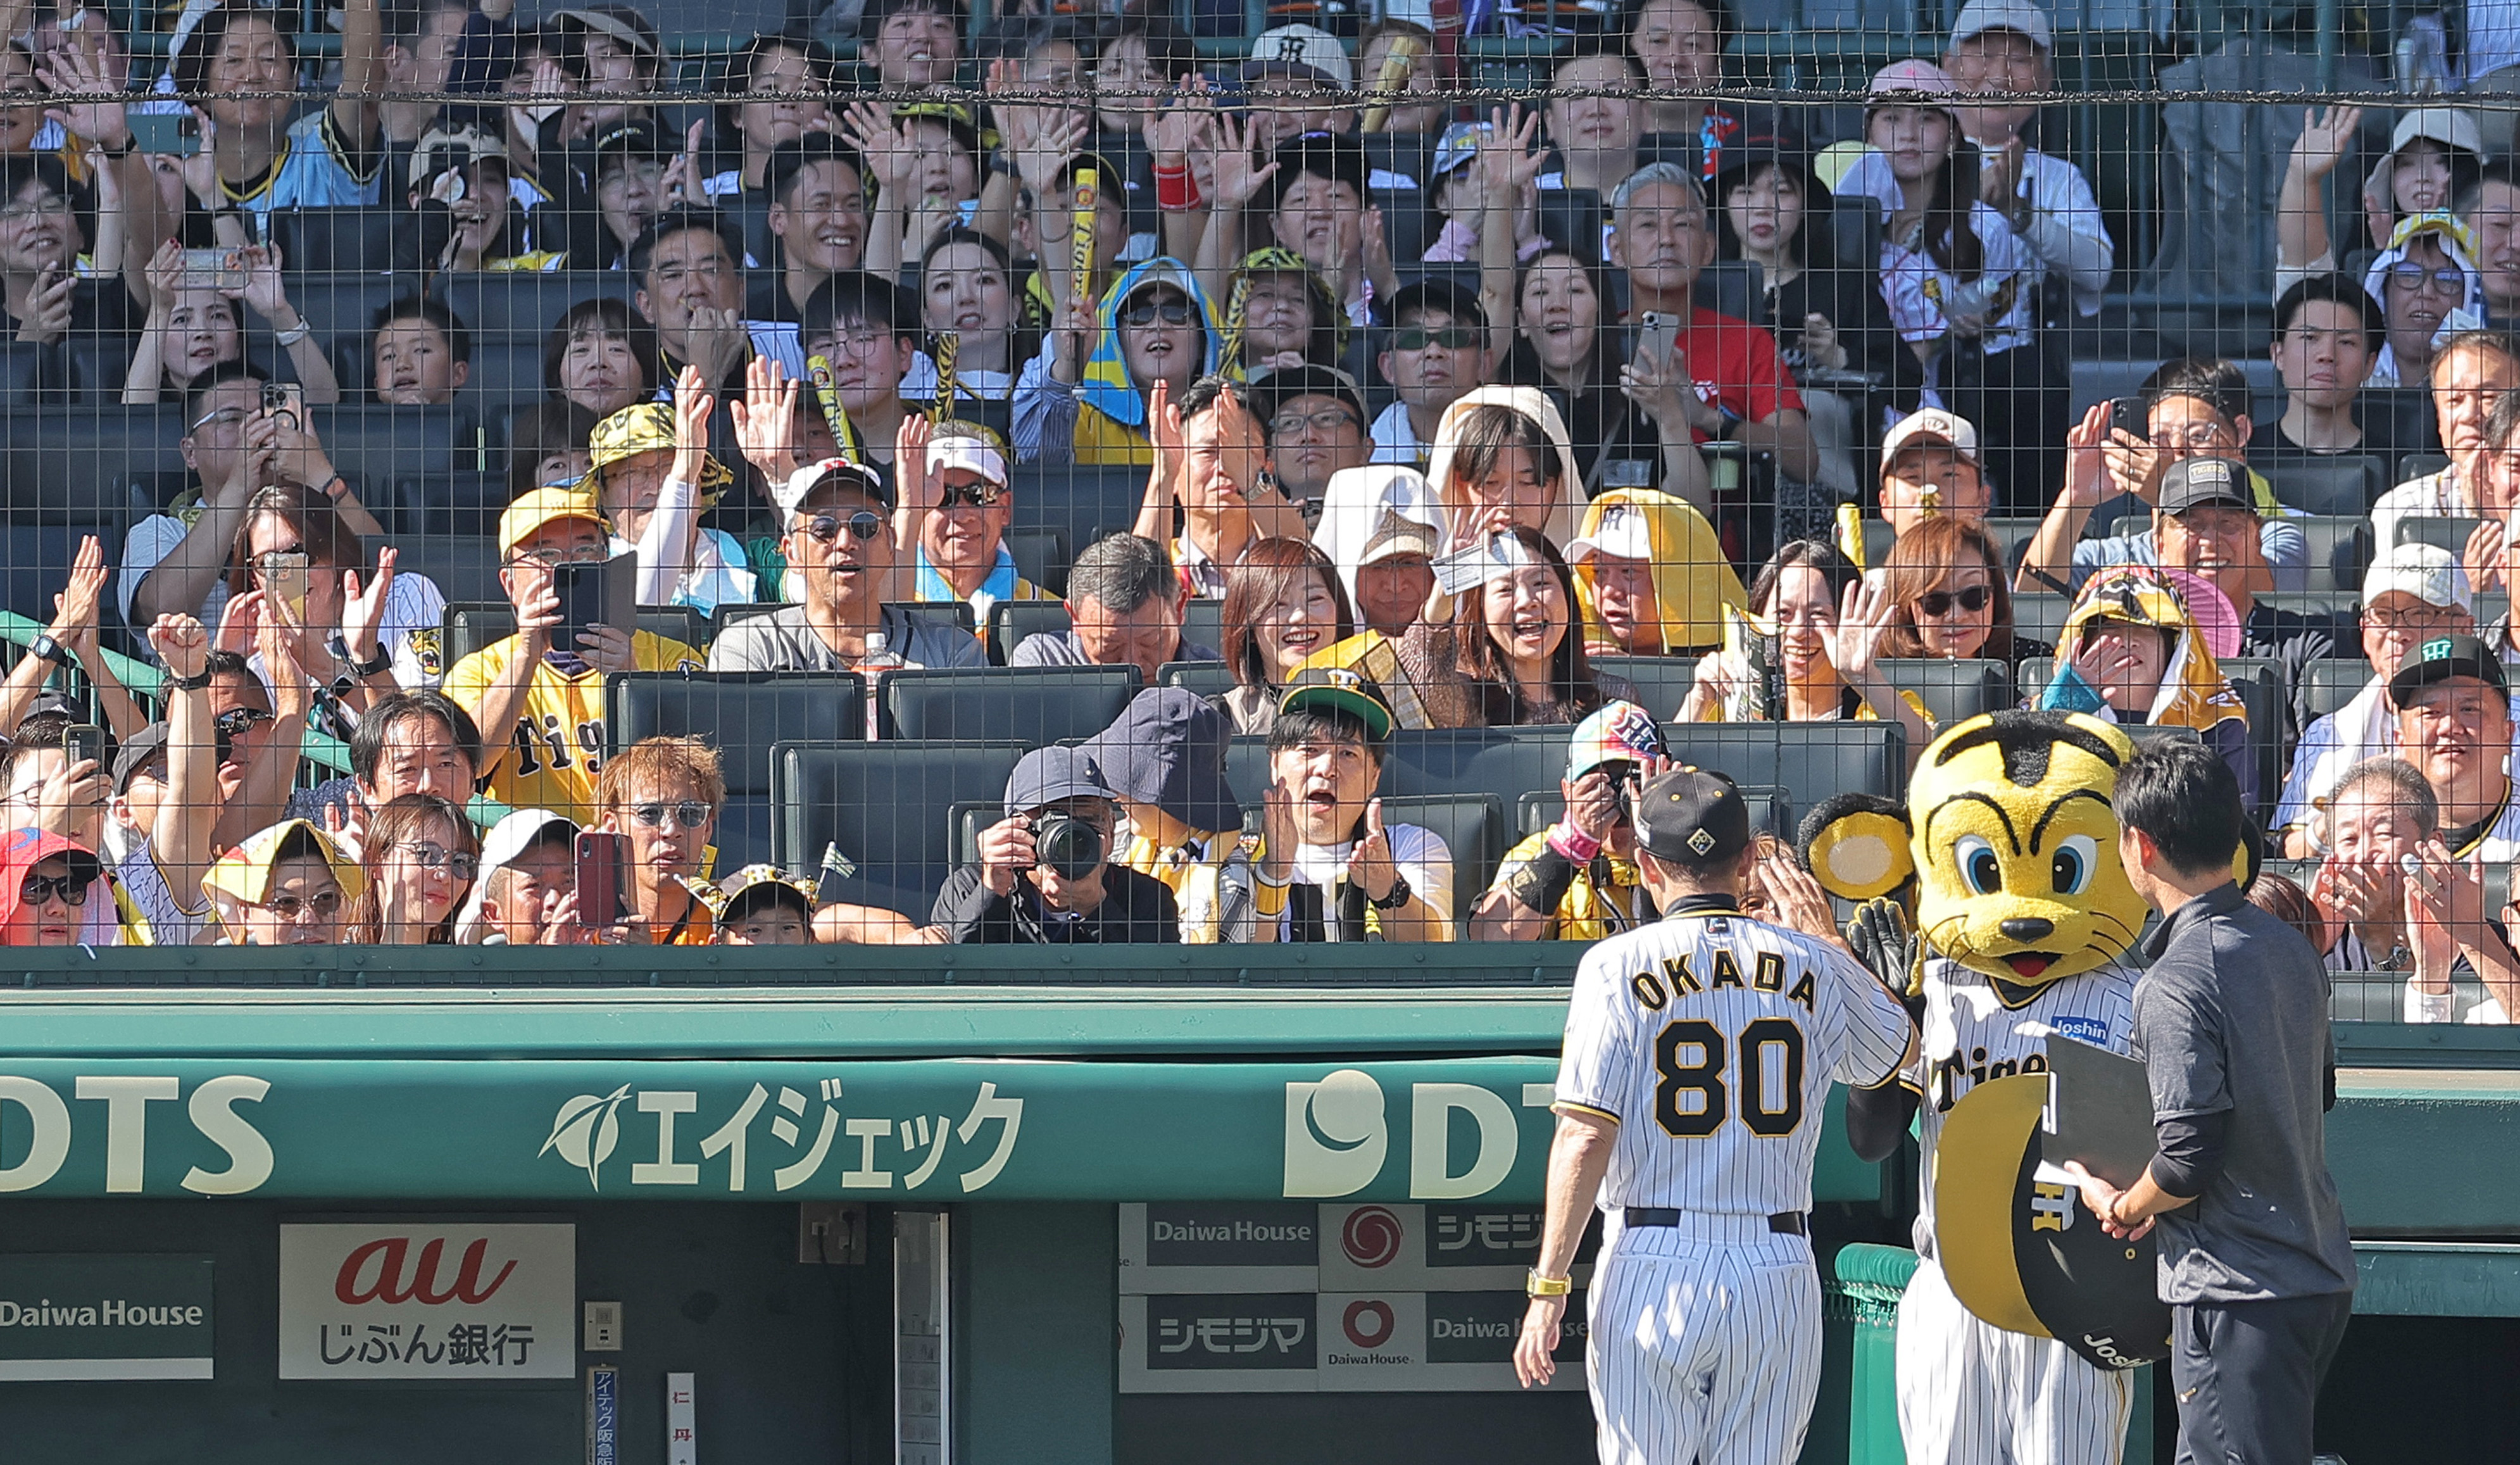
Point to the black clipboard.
(2099, 1112)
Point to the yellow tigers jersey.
(1102, 442)
(1586, 912)
(557, 746)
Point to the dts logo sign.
(1339, 1136)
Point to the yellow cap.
(244, 872)
(522, 520)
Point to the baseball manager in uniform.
(1697, 1059)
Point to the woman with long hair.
(1283, 603)
(966, 287)
(294, 549)
(603, 356)
(192, 327)
(1556, 321)
(1950, 597)
(1961, 287)
(420, 854)
(1827, 622)
(1521, 641)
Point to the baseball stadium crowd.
(1054, 481)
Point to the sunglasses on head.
(691, 813)
(1147, 313)
(68, 889)
(1938, 602)
(824, 529)
(1450, 338)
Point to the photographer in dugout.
(1044, 873)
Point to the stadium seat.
(1663, 682)
(1077, 501)
(470, 625)
(1010, 620)
(1733, 288)
(1206, 678)
(1471, 827)
(883, 809)
(2341, 484)
(522, 306)
(2328, 605)
(2443, 531)
(330, 242)
(77, 467)
(1953, 691)
(2040, 617)
(1203, 623)
(344, 308)
(2339, 547)
(1031, 705)
(1041, 557)
(2327, 685)
(742, 715)
(463, 567)
(375, 444)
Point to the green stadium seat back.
(884, 807)
(1030, 705)
(1010, 620)
(742, 715)
(1663, 682)
(1206, 678)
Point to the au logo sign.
(1339, 1136)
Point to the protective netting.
(752, 447)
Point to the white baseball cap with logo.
(1622, 534)
(970, 454)
(1979, 17)
(1300, 51)
(2427, 572)
(1933, 427)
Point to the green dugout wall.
(696, 1124)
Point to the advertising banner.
(468, 1301)
(105, 1316)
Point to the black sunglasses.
(1938, 602)
(1170, 312)
(233, 724)
(1450, 338)
(68, 889)
(865, 523)
(977, 495)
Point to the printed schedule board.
(1223, 1297)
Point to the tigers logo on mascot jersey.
(2009, 845)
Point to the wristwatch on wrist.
(339, 647)
(189, 683)
(1396, 897)
(1535, 1285)
(45, 649)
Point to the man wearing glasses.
(840, 554)
(2191, 408)
(663, 797)
(1436, 353)
(1316, 421)
(690, 270)
(2413, 594)
(961, 532)
(537, 701)
(175, 562)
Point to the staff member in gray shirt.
(840, 555)
(2230, 1021)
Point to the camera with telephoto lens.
(1071, 847)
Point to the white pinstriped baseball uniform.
(1712, 1039)
(1970, 1393)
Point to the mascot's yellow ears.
(2009, 839)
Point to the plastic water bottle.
(879, 659)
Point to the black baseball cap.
(1692, 816)
(1278, 388)
(2443, 658)
(135, 754)
(2193, 483)
(1047, 775)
